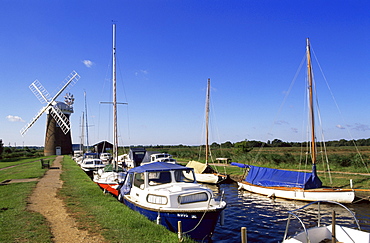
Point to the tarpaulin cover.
(282, 178)
(158, 166)
(240, 165)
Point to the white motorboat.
(163, 193)
(92, 164)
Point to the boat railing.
(293, 214)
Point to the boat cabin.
(164, 185)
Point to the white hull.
(207, 178)
(336, 195)
(342, 234)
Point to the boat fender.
(222, 218)
(240, 187)
(159, 218)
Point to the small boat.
(111, 176)
(89, 164)
(293, 184)
(140, 156)
(333, 232)
(204, 172)
(161, 192)
(133, 158)
(87, 155)
(106, 158)
(154, 156)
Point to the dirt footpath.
(44, 200)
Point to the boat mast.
(82, 138)
(309, 76)
(87, 126)
(207, 118)
(115, 136)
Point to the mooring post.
(179, 233)
(333, 240)
(244, 234)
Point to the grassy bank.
(102, 213)
(16, 161)
(17, 224)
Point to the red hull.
(110, 188)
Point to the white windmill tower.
(58, 137)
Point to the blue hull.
(202, 232)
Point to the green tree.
(227, 144)
(242, 147)
(1, 147)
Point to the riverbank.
(69, 208)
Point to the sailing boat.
(291, 184)
(203, 172)
(112, 175)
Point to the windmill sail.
(44, 97)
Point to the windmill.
(58, 137)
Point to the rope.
(204, 214)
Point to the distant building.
(76, 147)
(103, 147)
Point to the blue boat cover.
(240, 165)
(158, 166)
(268, 177)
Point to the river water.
(265, 219)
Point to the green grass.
(98, 212)
(9, 162)
(17, 224)
(23, 171)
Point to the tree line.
(247, 144)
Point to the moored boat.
(293, 184)
(334, 232)
(161, 192)
(110, 177)
(90, 165)
(203, 171)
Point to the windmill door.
(58, 150)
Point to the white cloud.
(88, 63)
(14, 118)
(141, 72)
(340, 126)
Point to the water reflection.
(265, 219)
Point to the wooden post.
(333, 240)
(179, 231)
(244, 234)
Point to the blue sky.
(166, 51)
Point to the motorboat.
(161, 192)
(91, 164)
(139, 156)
